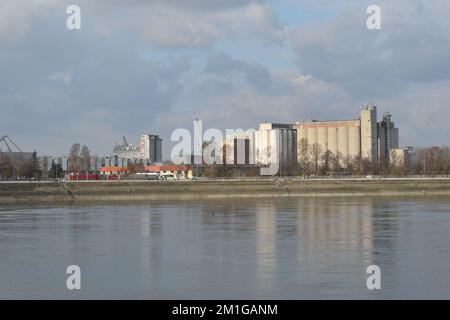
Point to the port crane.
(5, 139)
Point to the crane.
(5, 139)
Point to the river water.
(290, 248)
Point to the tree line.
(19, 166)
(22, 166)
(314, 161)
(79, 159)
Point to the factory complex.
(340, 142)
(333, 145)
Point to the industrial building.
(283, 146)
(276, 143)
(387, 138)
(237, 148)
(355, 138)
(403, 157)
(272, 144)
(149, 150)
(343, 136)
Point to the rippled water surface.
(239, 249)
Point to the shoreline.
(149, 191)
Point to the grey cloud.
(224, 65)
(176, 26)
(422, 113)
(163, 24)
(81, 87)
(412, 46)
(188, 24)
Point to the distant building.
(149, 150)
(355, 138)
(369, 135)
(126, 150)
(339, 136)
(275, 143)
(237, 148)
(387, 138)
(97, 162)
(402, 157)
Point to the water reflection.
(255, 248)
(266, 245)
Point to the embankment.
(122, 191)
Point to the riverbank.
(123, 191)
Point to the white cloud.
(65, 77)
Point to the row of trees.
(17, 166)
(314, 161)
(317, 162)
(79, 160)
(226, 171)
(432, 161)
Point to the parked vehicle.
(167, 176)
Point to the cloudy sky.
(153, 66)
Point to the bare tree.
(6, 167)
(85, 159)
(396, 165)
(74, 158)
(316, 153)
(366, 166)
(337, 162)
(326, 160)
(433, 161)
(304, 162)
(349, 164)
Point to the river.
(289, 248)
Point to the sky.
(149, 67)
